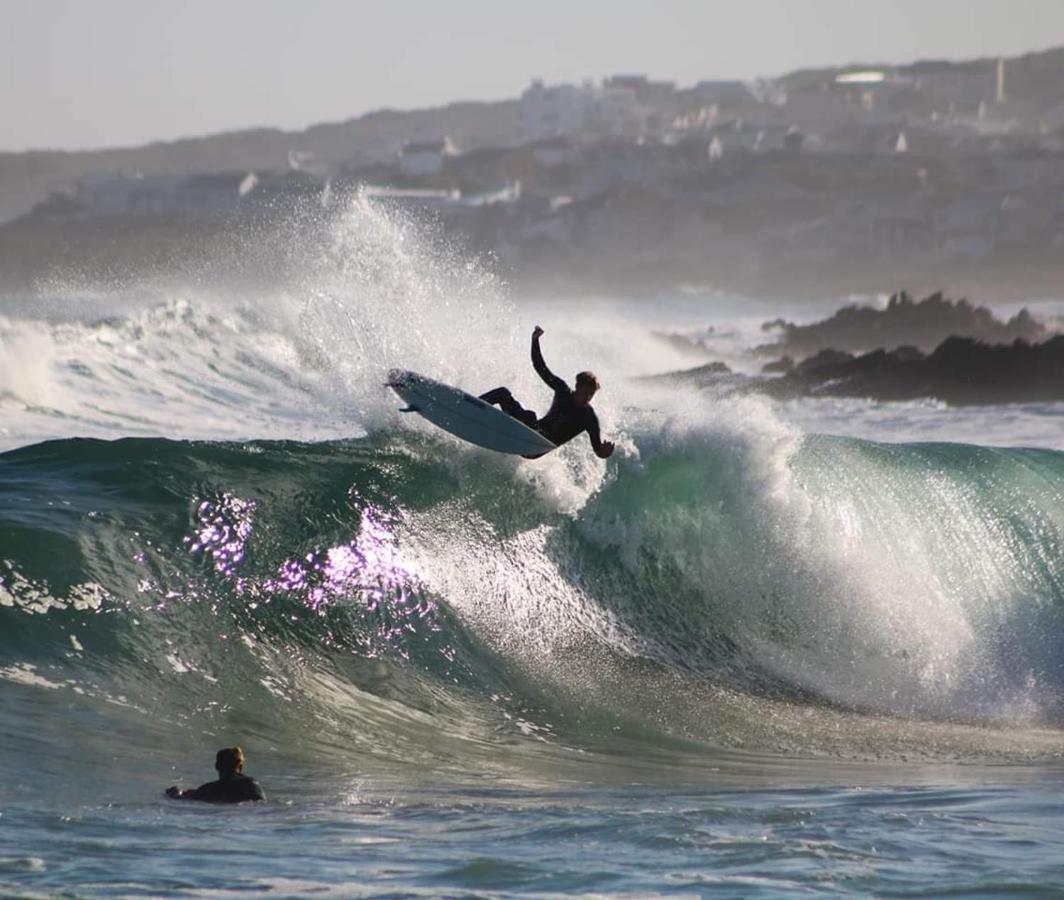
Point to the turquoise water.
(714, 677)
(747, 656)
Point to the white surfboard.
(465, 416)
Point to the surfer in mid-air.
(570, 412)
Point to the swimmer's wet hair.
(589, 379)
(229, 760)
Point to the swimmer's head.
(229, 761)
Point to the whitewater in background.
(765, 648)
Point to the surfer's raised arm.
(553, 381)
(570, 412)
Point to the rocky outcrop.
(960, 371)
(714, 374)
(924, 325)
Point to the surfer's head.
(229, 761)
(586, 386)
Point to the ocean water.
(766, 649)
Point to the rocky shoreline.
(990, 362)
(960, 371)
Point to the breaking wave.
(267, 549)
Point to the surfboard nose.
(398, 378)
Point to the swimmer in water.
(232, 786)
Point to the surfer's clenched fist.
(537, 332)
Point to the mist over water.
(215, 527)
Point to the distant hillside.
(1033, 77)
(28, 178)
(1036, 77)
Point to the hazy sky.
(91, 73)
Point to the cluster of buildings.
(931, 160)
(826, 106)
(624, 105)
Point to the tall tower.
(1001, 96)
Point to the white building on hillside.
(555, 110)
(627, 105)
(427, 158)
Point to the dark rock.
(689, 344)
(712, 374)
(784, 365)
(713, 368)
(825, 360)
(922, 325)
(960, 371)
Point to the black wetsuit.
(564, 420)
(228, 789)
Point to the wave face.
(351, 580)
(427, 604)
